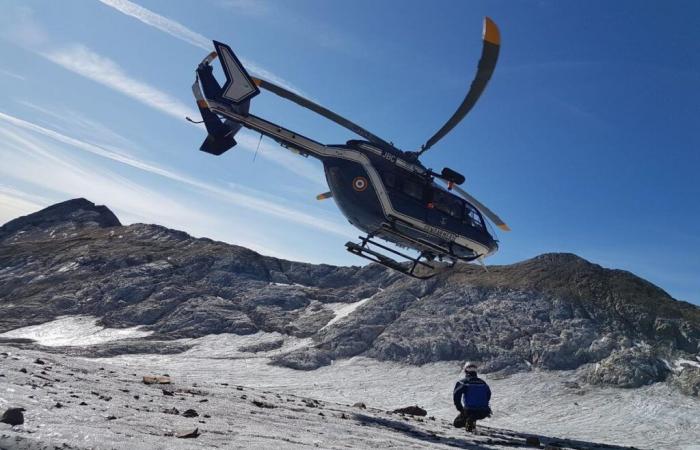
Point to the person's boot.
(471, 425)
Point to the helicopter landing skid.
(364, 251)
(428, 247)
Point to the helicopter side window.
(447, 204)
(412, 189)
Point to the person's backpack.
(476, 396)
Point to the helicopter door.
(444, 210)
(408, 195)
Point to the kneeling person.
(471, 397)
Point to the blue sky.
(586, 140)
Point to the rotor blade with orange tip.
(487, 64)
(484, 210)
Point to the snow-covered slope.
(541, 402)
(77, 403)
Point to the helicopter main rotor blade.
(481, 207)
(318, 109)
(487, 63)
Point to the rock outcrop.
(555, 311)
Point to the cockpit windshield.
(473, 217)
(456, 207)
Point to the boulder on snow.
(688, 381)
(628, 368)
(13, 416)
(190, 413)
(188, 434)
(412, 411)
(156, 379)
(264, 346)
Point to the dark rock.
(360, 405)
(167, 392)
(58, 405)
(111, 417)
(688, 381)
(411, 410)
(82, 404)
(23, 370)
(70, 215)
(532, 441)
(188, 434)
(39, 361)
(171, 411)
(13, 416)
(190, 413)
(629, 368)
(311, 403)
(264, 346)
(304, 359)
(262, 404)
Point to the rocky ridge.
(555, 311)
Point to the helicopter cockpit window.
(412, 189)
(448, 204)
(474, 218)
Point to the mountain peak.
(77, 213)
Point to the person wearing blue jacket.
(471, 397)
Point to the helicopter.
(385, 192)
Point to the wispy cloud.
(85, 126)
(296, 164)
(249, 201)
(83, 61)
(173, 28)
(14, 202)
(11, 74)
(318, 32)
(110, 140)
(37, 162)
(179, 31)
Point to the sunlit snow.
(74, 331)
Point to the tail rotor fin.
(236, 93)
(239, 87)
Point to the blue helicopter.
(383, 191)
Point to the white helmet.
(470, 367)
